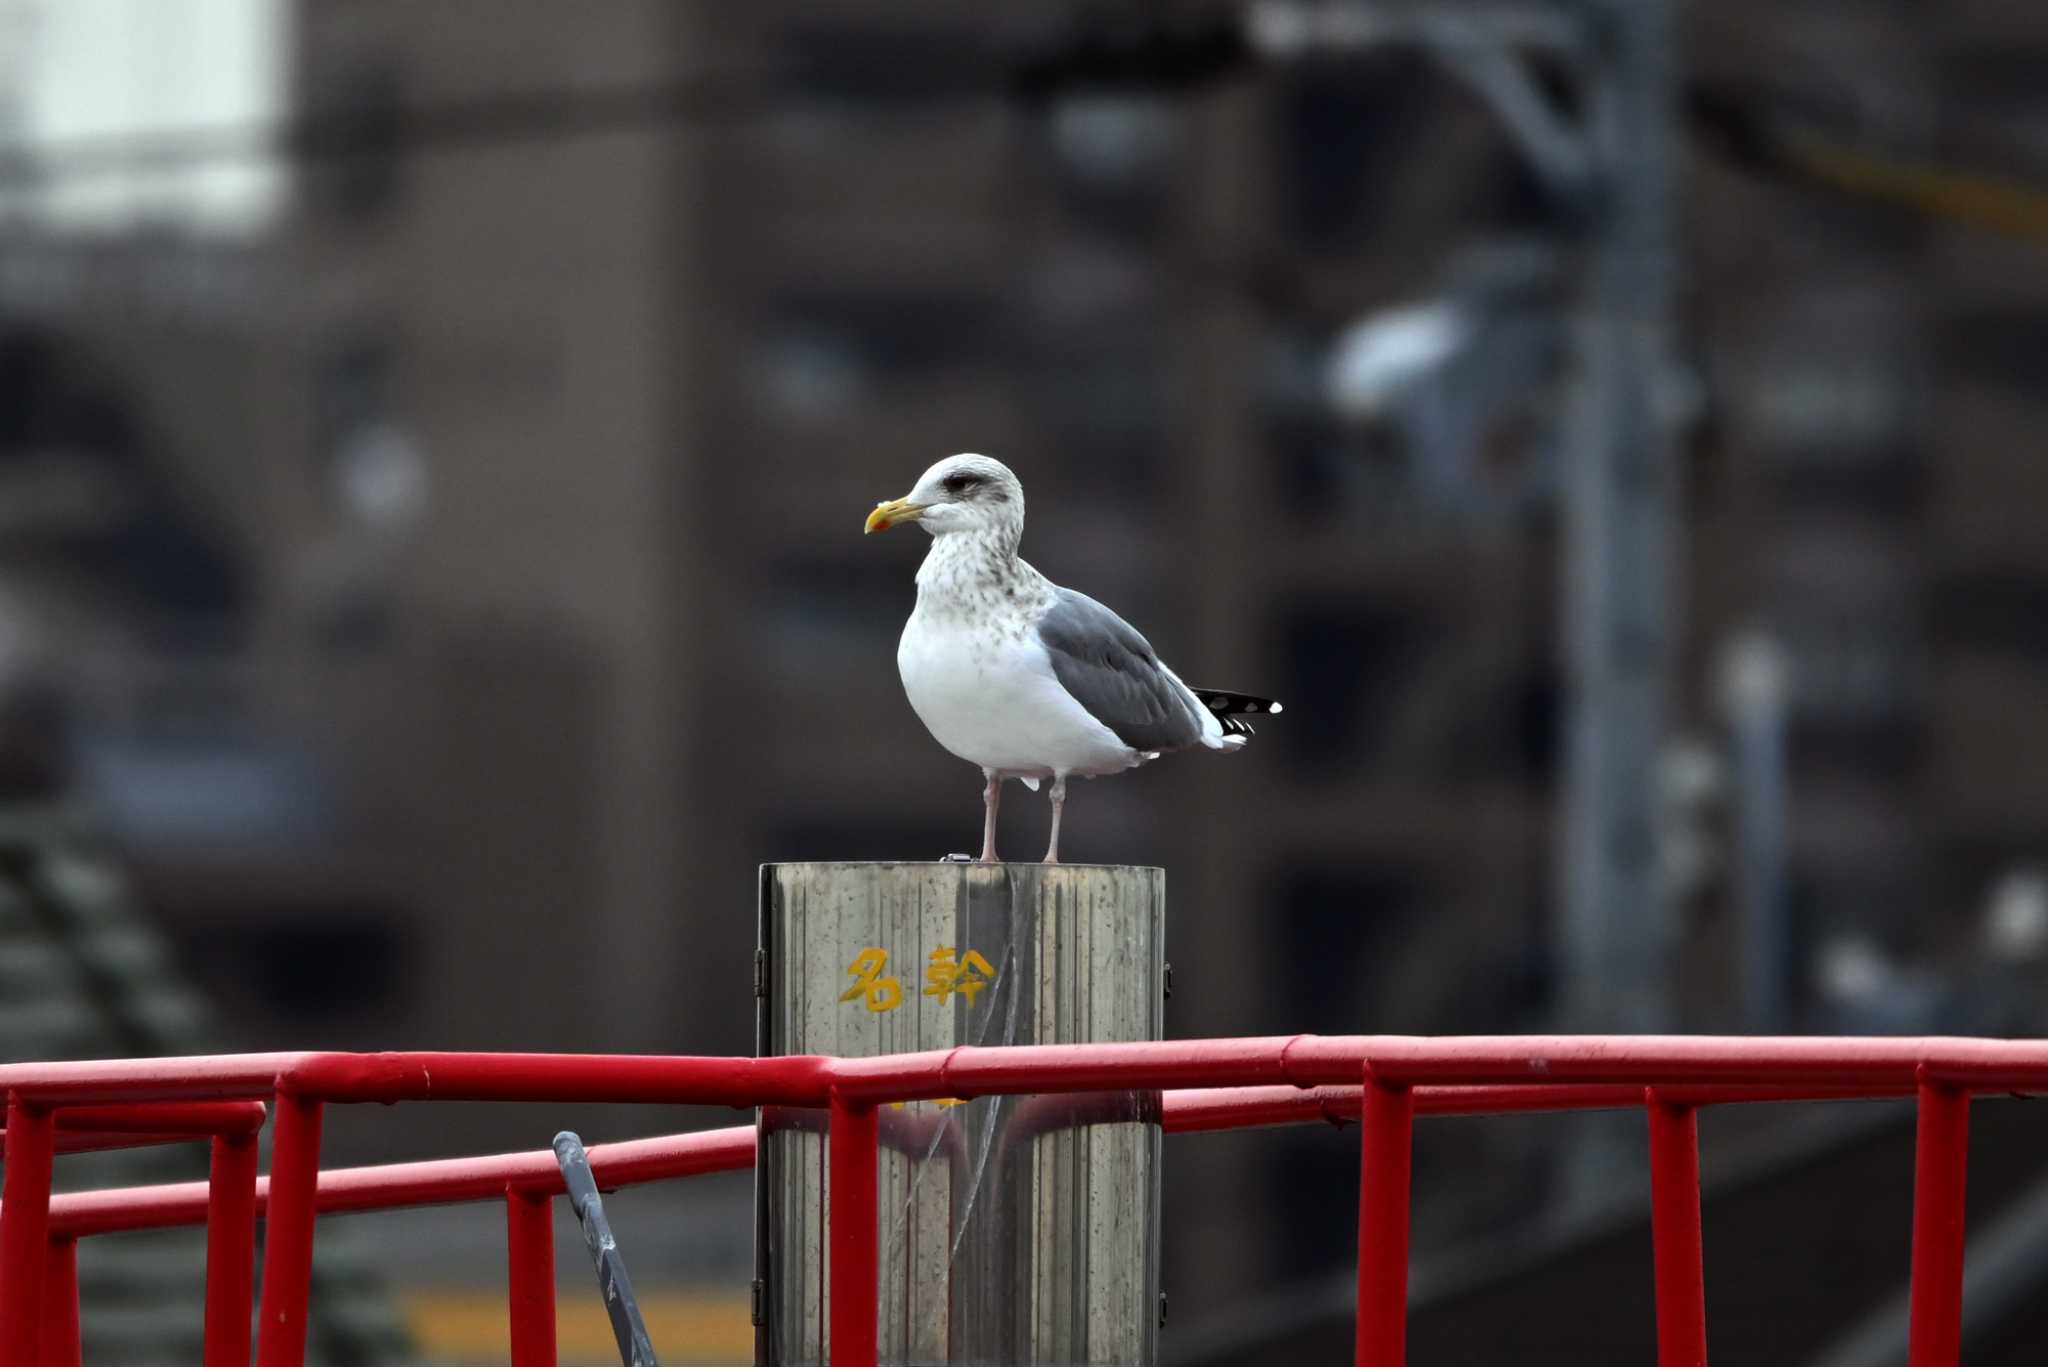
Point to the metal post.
(1621, 534)
(288, 1232)
(1940, 1168)
(230, 1249)
(1753, 689)
(60, 1306)
(990, 1203)
(1617, 928)
(1675, 1233)
(854, 1279)
(24, 1229)
(628, 1329)
(1387, 1127)
(530, 1276)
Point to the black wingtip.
(1224, 703)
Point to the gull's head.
(964, 493)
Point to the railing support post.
(1387, 1127)
(60, 1306)
(1940, 1168)
(853, 1282)
(288, 1232)
(530, 1276)
(24, 1229)
(1675, 1233)
(230, 1248)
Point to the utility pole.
(1610, 159)
(1617, 930)
(1619, 614)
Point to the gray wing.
(1111, 671)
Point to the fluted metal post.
(1010, 1229)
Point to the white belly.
(994, 702)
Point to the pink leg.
(991, 798)
(1059, 804)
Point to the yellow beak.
(887, 515)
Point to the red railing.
(1209, 1084)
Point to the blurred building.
(1871, 486)
(464, 594)
(563, 592)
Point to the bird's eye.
(959, 484)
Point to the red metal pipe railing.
(1282, 1079)
(1940, 1157)
(59, 1328)
(1387, 1125)
(24, 1228)
(86, 1129)
(288, 1231)
(1675, 1232)
(527, 1182)
(439, 1181)
(232, 1127)
(1858, 1066)
(853, 1267)
(530, 1276)
(230, 1249)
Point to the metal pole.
(1940, 1167)
(1675, 1233)
(288, 1232)
(1387, 1128)
(635, 1349)
(230, 1249)
(530, 1276)
(60, 1306)
(1753, 687)
(1617, 927)
(1621, 537)
(24, 1229)
(854, 1279)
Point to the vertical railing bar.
(24, 1229)
(288, 1232)
(853, 1280)
(230, 1249)
(1940, 1173)
(1675, 1233)
(60, 1342)
(1386, 1129)
(530, 1276)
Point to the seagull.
(1021, 677)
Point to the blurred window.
(1995, 612)
(1341, 130)
(822, 616)
(823, 353)
(867, 59)
(1115, 153)
(1850, 668)
(122, 106)
(352, 381)
(1108, 415)
(359, 107)
(1343, 663)
(311, 965)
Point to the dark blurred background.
(433, 442)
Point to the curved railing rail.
(1382, 1081)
